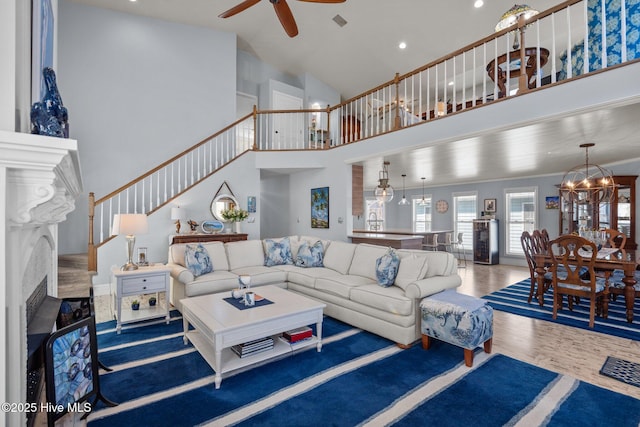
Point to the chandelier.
(384, 191)
(403, 201)
(511, 17)
(588, 183)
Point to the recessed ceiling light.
(478, 3)
(451, 83)
(402, 45)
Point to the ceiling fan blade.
(286, 17)
(246, 4)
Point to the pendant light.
(384, 191)
(423, 202)
(403, 201)
(588, 183)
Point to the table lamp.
(129, 225)
(177, 214)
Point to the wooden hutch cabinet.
(619, 214)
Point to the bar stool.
(431, 244)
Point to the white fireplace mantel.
(39, 182)
(43, 177)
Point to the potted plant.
(152, 301)
(235, 216)
(135, 304)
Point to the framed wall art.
(552, 202)
(251, 204)
(320, 207)
(490, 205)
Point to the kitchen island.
(397, 241)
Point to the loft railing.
(465, 79)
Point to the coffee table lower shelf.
(232, 362)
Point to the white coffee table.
(219, 325)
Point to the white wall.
(243, 178)
(138, 91)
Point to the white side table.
(143, 281)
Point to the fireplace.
(42, 311)
(40, 179)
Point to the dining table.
(626, 260)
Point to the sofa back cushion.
(216, 252)
(412, 267)
(338, 256)
(364, 260)
(247, 253)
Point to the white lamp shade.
(178, 213)
(130, 224)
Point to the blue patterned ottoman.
(457, 319)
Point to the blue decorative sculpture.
(49, 116)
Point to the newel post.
(523, 84)
(255, 127)
(92, 260)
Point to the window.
(421, 214)
(521, 215)
(374, 212)
(465, 208)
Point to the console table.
(202, 237)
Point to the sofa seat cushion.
(308, 276)
(341, 285)
(210, 283)
(261, 275)
(391, 299)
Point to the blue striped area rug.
(358, 379)
(513, 299)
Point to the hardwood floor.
(575, 352)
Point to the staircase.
(73, 278)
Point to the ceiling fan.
(282, 10)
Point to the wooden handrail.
(171, 160)
(350, 108)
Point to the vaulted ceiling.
(364, 53)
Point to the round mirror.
(222, 202)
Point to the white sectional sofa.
(347, 282)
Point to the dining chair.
(531, 248)
(431, 242)
(616, 285)
(577, 255)
(615, 238)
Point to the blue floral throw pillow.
(277, 252)
(197, 260)
(310, 255)
(387, 268)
